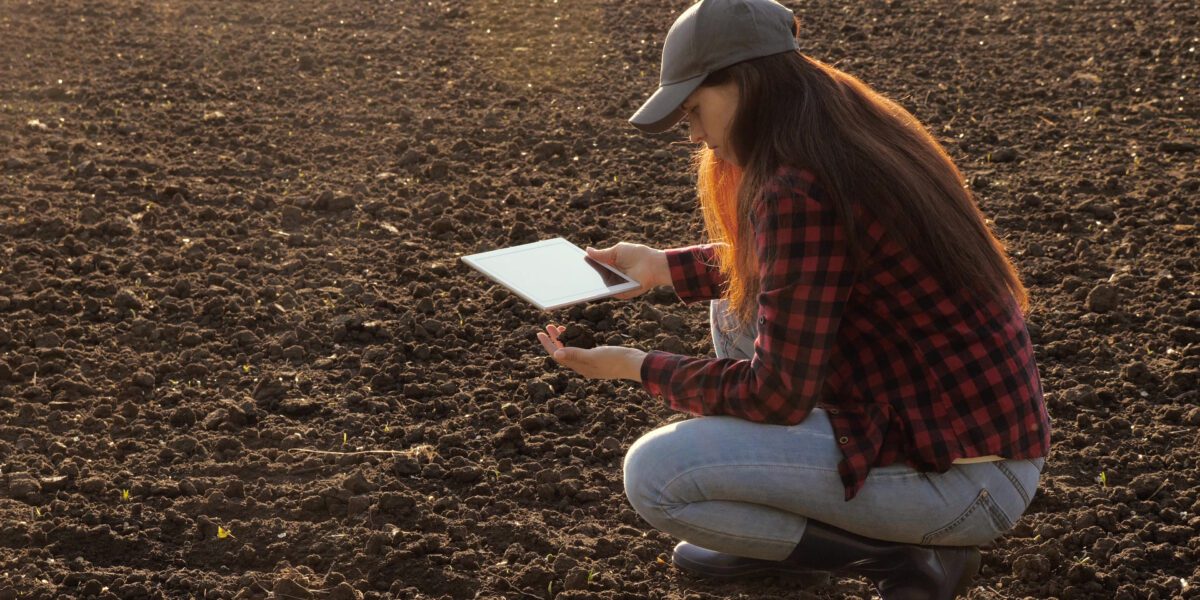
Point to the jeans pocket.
(981, 522)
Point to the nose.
(694, 132)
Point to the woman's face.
(710, 111)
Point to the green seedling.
(246, 369)
(550, 589)
(344, 438)
(37, 512)
(1103, 479)
(387, 428)
(591, 576)
(223, 533)
(125, 495)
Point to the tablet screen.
(551, 272)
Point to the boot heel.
(970, 570)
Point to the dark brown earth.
(229, 286)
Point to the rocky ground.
(239, 356)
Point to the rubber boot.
(899, 571)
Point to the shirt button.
(843, 440)
(833, 411)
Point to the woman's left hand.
(602, 362)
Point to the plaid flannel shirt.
(906, 369)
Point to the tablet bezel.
(473, 261)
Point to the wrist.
(664, 269)
(633, 363)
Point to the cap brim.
(662, 111)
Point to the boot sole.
(749, 570)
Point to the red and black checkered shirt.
(906, 369)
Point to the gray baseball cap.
(711, 35)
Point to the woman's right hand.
(643, 263)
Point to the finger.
(604, 256)
(546, 343)
(552, 333)
(552, 344)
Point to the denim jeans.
(748, 489)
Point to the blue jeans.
(748, 489)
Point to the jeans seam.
(999, 520)
(672, 481)
(667, 511)
(966, 514)
(1012, 478)
(667, 506)
(998, 515)
(663, 490)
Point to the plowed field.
(239, 356)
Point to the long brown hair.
(797, 111)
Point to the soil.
(239, 356)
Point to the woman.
(874, 407)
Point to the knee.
(647, 470)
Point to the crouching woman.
(874, 407)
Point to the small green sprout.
(1103, 479)
(591, 576)
(387, 428)
(550, 589)
(223, 533)
(246, 369)
(344, 438)
(125, 496)
(37, 512)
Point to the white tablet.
(551, 273)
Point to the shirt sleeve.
(804, 287)
(694, 272)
